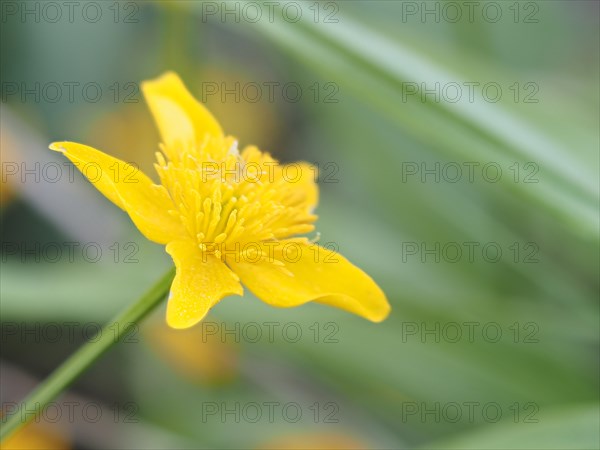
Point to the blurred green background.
(394, 101)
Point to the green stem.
(83, 358)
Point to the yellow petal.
(302, 178)
(179, 117)
(127, 187)
(311, 272)
(200, 282)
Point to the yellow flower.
(202, 357)
(37, 436)
(226, 216)
(315, 441)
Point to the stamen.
(232, 210)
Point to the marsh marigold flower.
(226, 216)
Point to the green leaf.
(570, 427)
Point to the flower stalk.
(83, 358)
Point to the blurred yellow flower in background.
(37, 436)
(226, 216)
(203, 358)
(6, 191)
(8, 144)
(260, 122)
(315, 441)
(129, 134)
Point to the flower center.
(229, 201)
